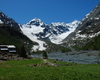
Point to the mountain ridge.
(8, 21)
(74, 33)
(36, 30)
(88, 28)
(11, 34)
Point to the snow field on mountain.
(30, 33)
(55, 32)
(59, 38)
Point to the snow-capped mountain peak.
(35, 21)
(75, 23)
(63, 30)
(36, 29)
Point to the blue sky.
(22, 11)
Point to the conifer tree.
(44, 54)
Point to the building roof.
(3, 48)
(12, 50)
(9, 46)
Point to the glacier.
(29, 32)
(35, 30)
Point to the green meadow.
(36, 69)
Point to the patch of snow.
(47, 35)
(3, 15)
(91, 18)
(83, 19)
(78, 31)
(80, 22)
(95, 34)
(82, 36)
(87, 15)
(96, 18)
(35, 47)
(1, 22)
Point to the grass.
(60, 63)
(26, 70)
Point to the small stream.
(83, 57)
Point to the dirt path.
(49, 63)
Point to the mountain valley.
(76, 34)
(35, 50)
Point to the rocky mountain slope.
(8, 21)
(88, 28)
(10, 34)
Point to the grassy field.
(36, 69)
